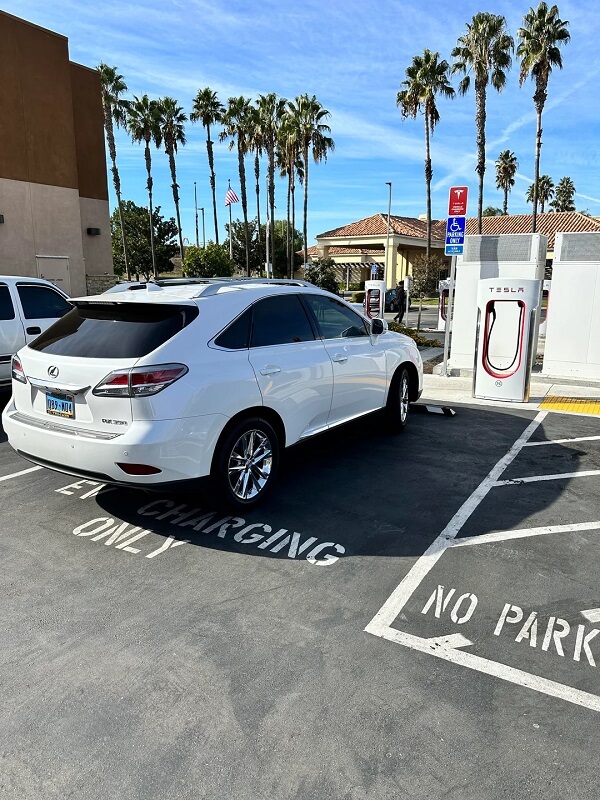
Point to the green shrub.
(421, 341)
(358, 297)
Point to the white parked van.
(27, 307)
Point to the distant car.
(391, 304)
(175, 383)
(27, 307)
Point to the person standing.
(400, 302)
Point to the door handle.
(32, 331)
(339, 358)
(270, 369)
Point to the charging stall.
(507, 315)
(444, 291)
(504, 257)
(375, 299)
(573, 326)
(544, 309)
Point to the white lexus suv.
(171, 384)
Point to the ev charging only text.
(123, 535)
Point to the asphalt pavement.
(411, 616)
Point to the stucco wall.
(97, 250)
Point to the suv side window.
(7, 310)
(335, 320)
(280, 320)
(41, 302)
(237, 335)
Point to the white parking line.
(563, 441)
(523, 533)
(557, 477)
(16, 474)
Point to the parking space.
(153, 647)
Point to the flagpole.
(196, 207)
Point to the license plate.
(61, 405)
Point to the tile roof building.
(359, 246)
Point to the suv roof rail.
(214, 287)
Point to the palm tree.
(256, 146)
(171, 121)
(115, 113)
(426, 77)
(545, 191)
(271, 109)
(565, 192)
(506, 168)
(313, 137)
(485, 50)
(542, 34)
(208, 109)
(236, 126)
(290, 165)
(143, 126)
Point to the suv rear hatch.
(96, 338)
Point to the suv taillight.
(139, 381)
(17, 371)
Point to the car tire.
(246, 463)
(397, 407)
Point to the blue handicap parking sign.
(455, 236)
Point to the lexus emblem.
(53, 372)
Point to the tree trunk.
(505, 205)
(174, 187)
(257, 176)
(480, 115)
(293, 188)
(211, 166)
(272, 203)
(305, 212)
(149, 186)
(288, 244)
(539, 99)
(428, 176)
(242, 170)
(112, 150)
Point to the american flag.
(231, 197)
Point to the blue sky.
(352, 55)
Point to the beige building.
(54, 214)
(357, 247)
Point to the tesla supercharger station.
(375, 299)
(545, 307)
(507, 316)
(444, 290)
(505, 256)
(573, 327)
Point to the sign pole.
(449, 316)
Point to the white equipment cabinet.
(506, 256)
(507, 315)
(573, 327)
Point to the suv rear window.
(115, 330)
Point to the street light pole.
(387, 240)
(196, 207)
(203, 230)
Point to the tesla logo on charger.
(506, 289)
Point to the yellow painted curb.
(574, 405)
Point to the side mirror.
(377, 327)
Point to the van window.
(41, 302)
(114, 330)
(7, 310)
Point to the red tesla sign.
(457, 203)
